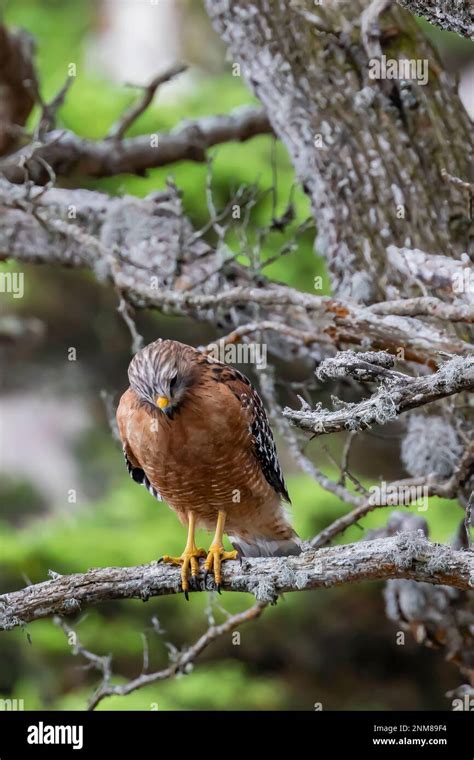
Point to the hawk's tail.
(260, 546)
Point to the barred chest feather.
(216, 453)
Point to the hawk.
(196, 435)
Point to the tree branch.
(67, 153)
(390, 400)
(404, 556)
(149, 251)
(180, 661)
(148, 93)
(450, 15)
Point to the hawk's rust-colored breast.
(216, 453)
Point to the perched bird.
(196, 435)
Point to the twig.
(118, 130)
(369, 26)
(346, 451)
(125, 310)
(268, 392)
(181, 661)
(457, 182)
(109, 405)
(406, 491)
(49, 112)
(468, 520)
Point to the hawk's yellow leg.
(189, 558)
(217, 553)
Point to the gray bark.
(399, 393)
(66, 153)
(362, 148)
(450, 15)
(148, 249)
(407, 555)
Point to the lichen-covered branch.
(404, 556)
(399, 394)
(148, 249)
(450, 15)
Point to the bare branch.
(67, 153)
(399, 493)
(149, 91)
(47, 121)
(291, 442)
(370, 28)
(180, 661)
(124, 309)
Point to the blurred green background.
(333, 647)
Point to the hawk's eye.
(173, 382)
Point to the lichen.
(431, 445)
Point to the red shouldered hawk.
(196, 435)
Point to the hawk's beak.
(162, 402)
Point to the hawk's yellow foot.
(217, 554)
(189, 559)
(214, 559)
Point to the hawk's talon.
(214, 559)
(188, 561)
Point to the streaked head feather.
(163, 368)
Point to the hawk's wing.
(136, 472)
(262, 441)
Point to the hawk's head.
(162, 372)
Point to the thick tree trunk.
(370, 153)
